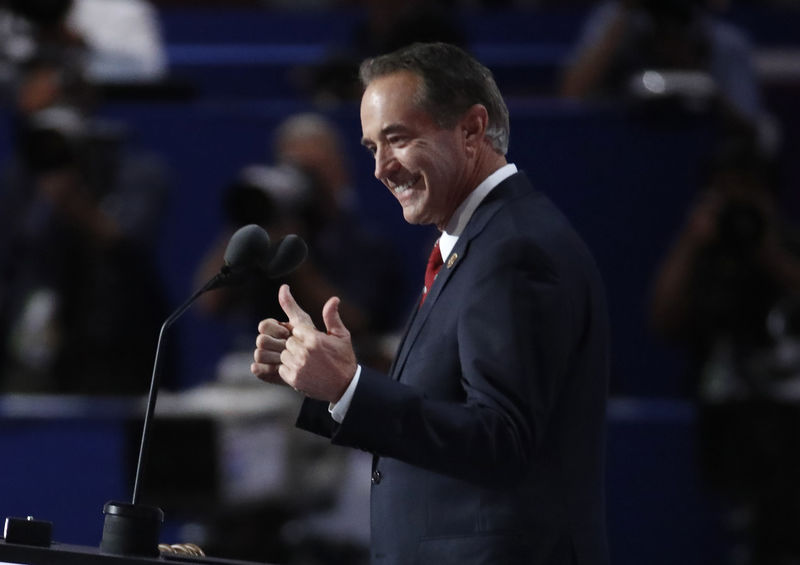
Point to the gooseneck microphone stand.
(133, 528)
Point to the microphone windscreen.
(291, 253)
(249, 247)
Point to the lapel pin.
(452, 260)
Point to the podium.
(64, 554)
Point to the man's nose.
(385, 162)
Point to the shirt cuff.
(338, 410)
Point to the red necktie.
(435, 262)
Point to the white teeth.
(401, 188)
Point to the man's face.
(423, 165)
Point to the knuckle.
(264, 325)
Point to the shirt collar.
(455, 227)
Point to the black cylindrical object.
(131, 529)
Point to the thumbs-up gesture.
(319, 364)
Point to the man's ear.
(474, 125)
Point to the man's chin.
(416, 214)
(412, 217)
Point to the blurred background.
(136, 136)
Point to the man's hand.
(270, 343)
(319, 365)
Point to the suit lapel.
(491, 204)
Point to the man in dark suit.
(488, 434)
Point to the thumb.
(297, 315)
(332, 319)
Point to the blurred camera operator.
(733, 259)
(277, 198)
(80, 298)
(731, 271)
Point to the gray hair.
(452, 82)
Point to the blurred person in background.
(123, 37)
(111, 40)
(80, 297)
(728, 294)
(35, 28)
(273, 197)
(688, 50)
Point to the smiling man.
(488, 433)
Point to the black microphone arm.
(133, 529)
(154, 384)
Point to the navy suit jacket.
(489, 433)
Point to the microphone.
(249, 246)
(291, 253)
(249, 253)
(133, 528)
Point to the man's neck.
(459, 219)
(484, 168)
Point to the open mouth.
(402, 188)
